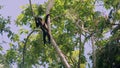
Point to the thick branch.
(59, 52)
(93, 51)
(49, 6)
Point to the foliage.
(108, 51)
(63, 31)
(109, 55)
(66, 31)
(3, 23)
(4, 29)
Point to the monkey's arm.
(46, 18)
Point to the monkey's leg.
(44, 37)
(48, 36)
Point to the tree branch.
(31, 8)
(77, 23)
(25, 45)
(59, 52)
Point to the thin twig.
(77, 23)
(31, 8)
